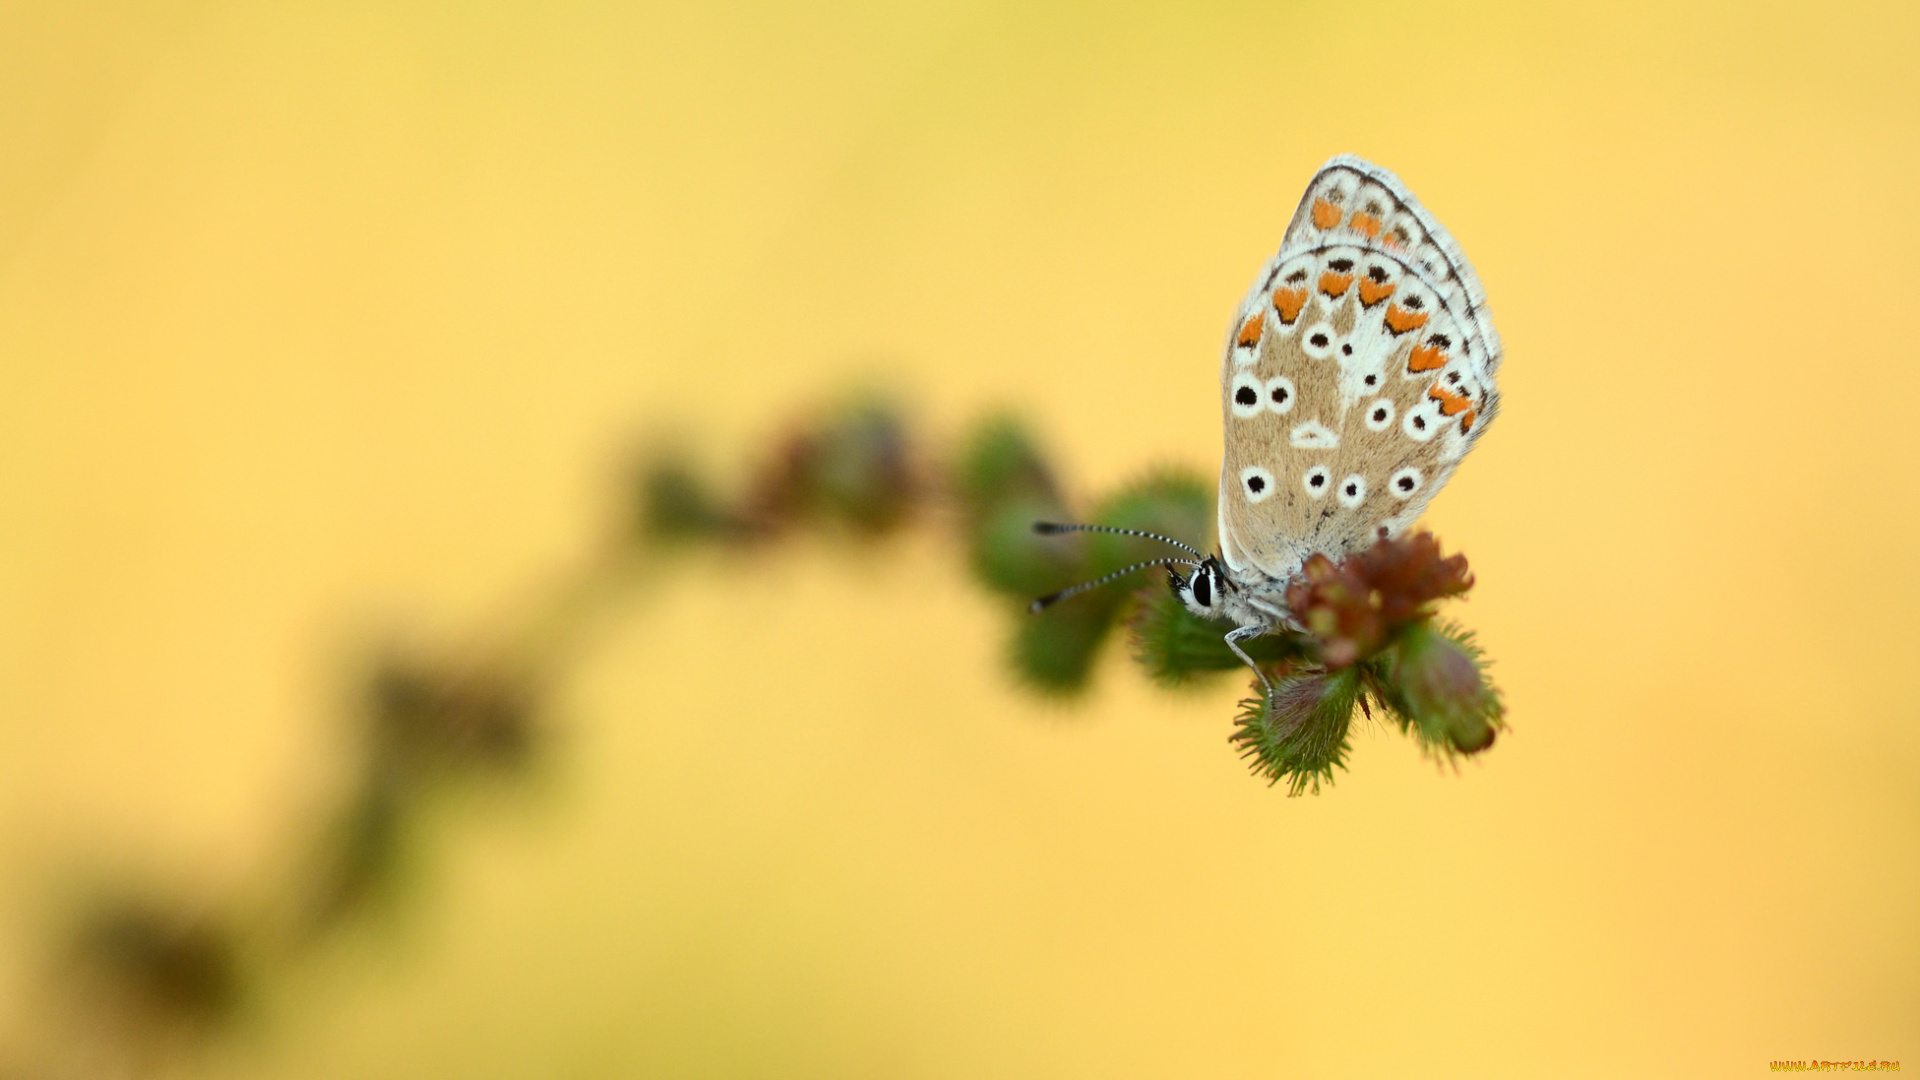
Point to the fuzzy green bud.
(1438, 684)
(1300, 734)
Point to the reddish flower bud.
(854, 469)
(1355, 606)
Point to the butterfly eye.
(1353, 490)
(1405, 482)
(1203, 589)
(1379, 414)
(1317, 480)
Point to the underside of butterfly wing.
(1358, 371)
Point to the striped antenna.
(1049, 528)
(1053, 598)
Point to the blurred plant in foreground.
(157, 978)
(1371, 640)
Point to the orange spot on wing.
(1425, 357)
(1394, 241)
(1372, 292)
(1466, 422)
(1366, 223)
(1335, 284)
(1451, 404)
(1250, 330)
(1400, 320)
(1325, 214)
(1288, 302)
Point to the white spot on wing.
(1422, 421)
(1353, 490)
(1244, 384)
(1405, 484)
(1279, 394)
(1379, 414)
(1318, 340)
(1339, 187)
(1374, 201)
(1317, 480)
(1314, 435)
(1414, 296)
(1403, 224)
(1256, 483)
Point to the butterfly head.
(1203, 591)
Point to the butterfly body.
(1358, 371)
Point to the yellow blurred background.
(324, 321)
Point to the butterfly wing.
(1358, 371)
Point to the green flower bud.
(1300, 735)
(1437, 684)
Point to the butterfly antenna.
(1053, 598)
(1049, 528)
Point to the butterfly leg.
(1234, 638)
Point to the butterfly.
(1357, 372)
